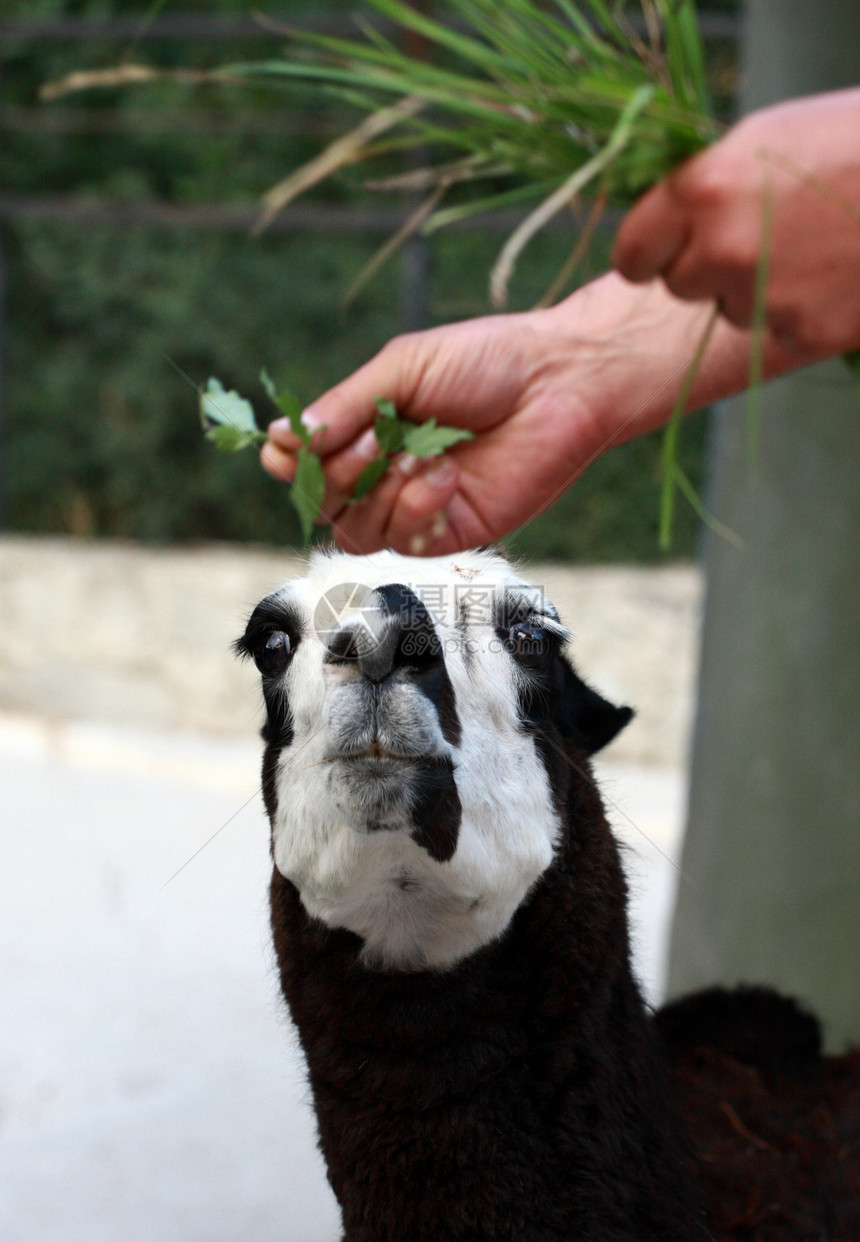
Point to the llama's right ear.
(585, 717)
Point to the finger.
(651, 235)
(281, 434)
(343, 413)
(693, 278)
(435, 516)
(342, 469)
(420, 515)
(278, 462)
(361, 527)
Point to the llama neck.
(516, 1096)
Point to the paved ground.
(150, 1087)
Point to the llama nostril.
(370, 648)
(341, 646)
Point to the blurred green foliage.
(110, 326)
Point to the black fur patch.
(436, 810)
(419, 650)
(559, 709)
(756, 1025)
(586, 718)
(270, 616)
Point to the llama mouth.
(377, 758)
(378, 754)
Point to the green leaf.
(308, 490)
(385, 408)
(429, 440)
(289, 404)
(228, 419)
(369, 477)
(389, 434)
(231, 440)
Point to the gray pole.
(3, 364)
(773, 842)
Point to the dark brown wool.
(525, 1094)
(518, 1096)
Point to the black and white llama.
(449, 916)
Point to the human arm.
(787, 176)
(546, 392)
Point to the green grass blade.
(472, 50)
(564, 194)
(603, 16)
(685, 487)
(690, 37)
(462, 211)
(684, 52)
(672, 434)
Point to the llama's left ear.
(589, 720)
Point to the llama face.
(415, 764)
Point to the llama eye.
(272, 657)
(529, 644)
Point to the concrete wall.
(140, 637)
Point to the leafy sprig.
(395, 435)
(228, 419)
(308, 487)
(230, 424)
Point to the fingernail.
(442, 475)
(407, 463)
(439, 525)
(417, 544)
(366, 445)
(310, 419)
(279, 426)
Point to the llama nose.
(397, 634)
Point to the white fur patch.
(411, 911)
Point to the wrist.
(628, 348)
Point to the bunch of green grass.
(541, 102)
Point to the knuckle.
(705, 185)
(688, 280)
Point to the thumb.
(652, 233)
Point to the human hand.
(701, 229)
(545, 393)
(489, 375)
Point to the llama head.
(421, 717)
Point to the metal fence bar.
(319, 218)
(173, 26)
(132, 123)
(210, 27)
